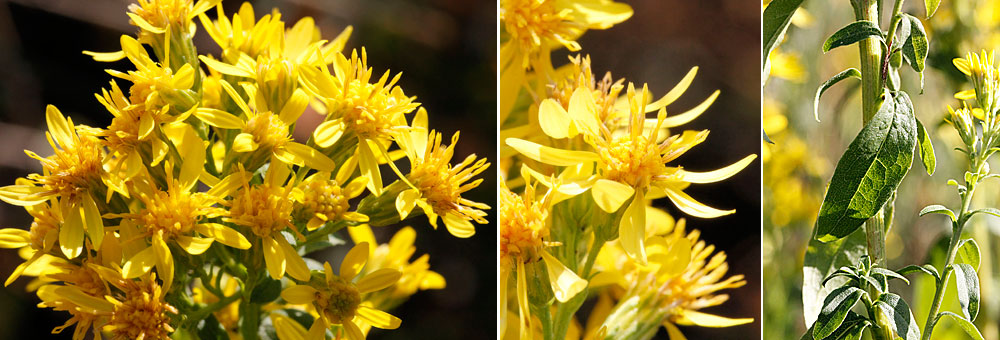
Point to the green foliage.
(821, 260)
(926, 149)
(967, 285)
(968, 252)
(870, 170)
(903, 323)
(835, 309)
(852, 33)
(915, 46)
(966, 325)
(776, 18)
(848, 73)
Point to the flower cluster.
(197, 204)
(580, 166)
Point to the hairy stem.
(956, 235)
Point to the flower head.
(535, 25)
(322, 199)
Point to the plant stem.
(956, 235)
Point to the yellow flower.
(228, 316)
(263, 134)
(523, 234)
(157, 16)
(154, 85)
(535, 25)
(629, 158)
(982, 71)
(40, 238)
(396, 254)
(373, 113)
(438, 185)
(266, 210)
(322, 199)
(337, 298)
(174, 215)
(681, 277)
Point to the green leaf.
(266, 291)
(852, 33)
(776, 18)
(991, 211)
(847, 272)
(851, 329)
(848, 73)
(915, 47)
(968, 252)
(889, 274)
(926, 149)
(820, 261)
(937, 209)
(893, 307)
(835, 308)
(966, 325)
(926, 269)
(967, 285)
(763, 135)
(931, 6)
(870, 170)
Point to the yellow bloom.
(264, 134)
(630, 158)
(982, 71)
(322, 199)
(40, 238)
(535, 25)
(438, 185)
(337, 298)
(266, 210)
(154, 85)
(157, 16)
(523, 234)
(396, 254)
(228, 316)
(681, 277)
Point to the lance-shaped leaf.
(968, 252)
(964, 324)
(893, 307)
(915, 47)
(967, 285)
(937, 209)
(848, 73)
(889, 274)
(870, 170)
(776, 18)
(926, 149)
(835, 309)
(852, 33)
(851, 329)
(926, 269)
(931, 6)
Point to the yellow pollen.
(173, 213)
(264, 208)
(267, 130)
(605, 92)
(160, 13)
(522, 225)
(84, 278)
(633, 161)
(142, 314)
(338, 301)
(530, 21)
(370, 110)
(324, 197)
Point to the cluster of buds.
(982, 72)
(198, 200)
(580, 167)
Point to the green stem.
(956, 235)
(204, 312)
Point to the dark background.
(658, 45)
(445, 48)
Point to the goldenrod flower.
(681, 277)
(337, 298)
(534, 25)
(154, 85)
(323, 199)
(982, 71)
(265, 134)
(373, 113)
(439, 185)
(630, 157)
(523, 232)
(40, 238)
(396, 254)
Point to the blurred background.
(798, 166)
(445, 48)
(658, 45)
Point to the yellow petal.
(71, 233)
(164, 261)
(405, 202)
(362, 233)
(295, 264)
(299, 294)
(673, 332)
(294, 107)
(565, 283)
(583, 110)
(691, 207)
(378, 318)
(311, 157)
(226, 68)
(14, 238)
(458, 225)
(274, 258)
(23, 195)
(106, 56)
(60, 128)
(354, 261)
(632, 229)
(610, 195)
(966, 95)
(219, 118)
(328, 132)
(432, 280)
(235, 96)
(193, 149)
(143, 24)
(369, 167)
(674, 93)
(549, 155)
(523, 313)
(139, 264)
(402, 241)
(554, 120)
(81, 299)
(223, 234)
(962, 65)
(378, 280)
(690, 317)
(194, 245)
(92, 220)
(717, 175)
(146, 125)
(689, 115)
(600, 14)
(353, 332)
(502, 278)
(244, 143)
(287, 329)
(184, 78)
(226, 186)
